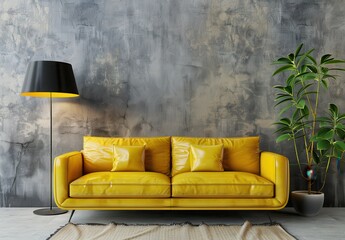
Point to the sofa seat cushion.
(221, 184)
(121, 185)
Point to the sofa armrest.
(67, 168)
(275, 168)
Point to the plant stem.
(329, 160)
(324, 179)
(305, 141)
(297, 157)
(306, 146)
(314, 113)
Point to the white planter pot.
(307, 204)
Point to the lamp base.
(49, 211)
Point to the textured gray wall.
(151, 67)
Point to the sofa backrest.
(240, 154)
(98, 153)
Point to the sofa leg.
(70, 218)
(269, 217)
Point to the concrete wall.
(151, 67)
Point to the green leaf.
(306, 75)
(313, 139)
(285, 109)
(323, 130)
(298, 119)
(340, 133)
(282, 101)
(337, 69)
(334, 109)
(324, 70)
(308, 93)
(328, 76)
(340, 126)
(295, 115)
(285, 121)
(291, 56)
(332, 61)
(305, 111)
(312, 59)
(309, 76)
(288, 89)
(325, 122)
(301, 74)
(280, 87)
(304, 88)
(298, 49)
(283, 68)
(283, 130)
(337, 153)
(280, 98)
(283, 60)
(324, 83)
(312, 68)
(323, 119)
(325, 57)
(282, 95)
(341, 117)
(326, 134)
(340, 145)
(300, 104)
(323, 145)
(302, 58)
(290, 80)
(282, 137)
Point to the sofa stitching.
(77, 184)
(249, 184)
(221, 196)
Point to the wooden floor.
(21, 223)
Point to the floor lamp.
(50, 79)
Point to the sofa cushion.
(221, 185)
(121, 185)
(98, 153)
(206, 158)
(129, 159)
(240, 154)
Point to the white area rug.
(174, 232)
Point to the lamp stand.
(50, 210)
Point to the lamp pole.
(51, 151)
(50, 79)
(50, 210)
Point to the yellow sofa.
(251, 179)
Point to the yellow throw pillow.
(206, 158)
(129, 159)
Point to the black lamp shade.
(50, 79)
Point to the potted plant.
(317, 134)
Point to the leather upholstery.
(81, 182)
(206, 158)
(221, 185)
(67, 168)
(98, 153)
(129, 159)
(275, 168)
(240, 154)
(121, 185)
